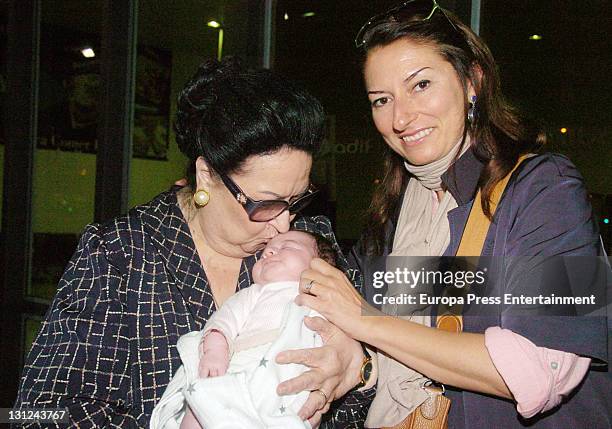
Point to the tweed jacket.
(107, 347)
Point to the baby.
(233, 385)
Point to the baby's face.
(285, 257)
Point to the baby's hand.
(214, 355)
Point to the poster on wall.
(152, 106)
(70, 98)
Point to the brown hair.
(498, 134)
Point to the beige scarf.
(422, 231)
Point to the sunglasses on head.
(402, 12)
(266, 210)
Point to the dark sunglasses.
(266, 210)
(400, 13)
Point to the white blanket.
(245, 397)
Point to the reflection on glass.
(172, 41)
(64, 160)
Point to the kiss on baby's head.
(287, 255)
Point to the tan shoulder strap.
(478, 223)
(473, 238)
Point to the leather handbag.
(433, 413)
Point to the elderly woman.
(107, 348)
(452, 143)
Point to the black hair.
(227, 113)
(325, 249)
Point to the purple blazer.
(544, 213)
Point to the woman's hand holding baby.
(334, 369)
(326, 289)
(214, 355)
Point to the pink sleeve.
(537, 377)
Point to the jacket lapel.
(170, 235)
(457, 219)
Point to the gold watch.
(366, 368)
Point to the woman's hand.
(334, 369)
(326, 289)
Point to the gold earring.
(201, 198)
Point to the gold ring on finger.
(319, 391)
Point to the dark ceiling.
(563, 78)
